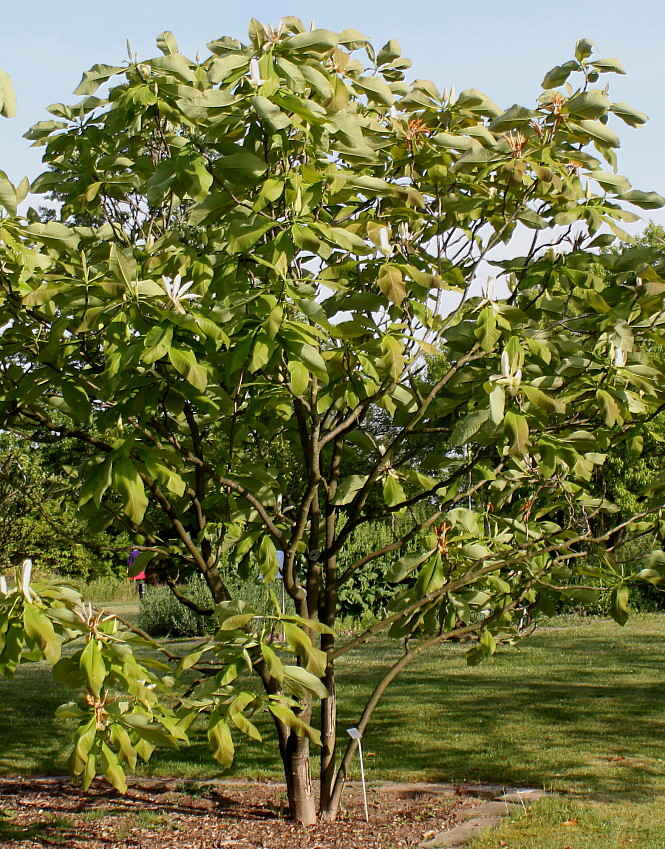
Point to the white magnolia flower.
(26, 576)
(177, 291)
(384, 242)
(255, 73)
(273, 36)
(620, 357)
(487, 290)
(403, 231)
(85, 612)
(511, 380)
(3, 585)
(26, 573)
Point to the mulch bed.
(172, 815)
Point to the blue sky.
(504, 49)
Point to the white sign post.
(356, 735)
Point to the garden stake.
(356, 735)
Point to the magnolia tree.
(263, 308)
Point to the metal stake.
(356, 735)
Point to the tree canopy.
(264, 305)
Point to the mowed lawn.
(578, 709)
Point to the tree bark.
(295, 758)
(329, 744)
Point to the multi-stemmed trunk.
(296, 759)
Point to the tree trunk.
(329, 746)
(295, 757)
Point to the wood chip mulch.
(168, 815)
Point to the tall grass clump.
(108, 590)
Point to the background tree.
(258, 253)
(39, 518)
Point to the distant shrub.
(367, 592)
(362, 598)
(162, 615)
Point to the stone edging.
(484, 816)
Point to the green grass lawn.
(579, 709)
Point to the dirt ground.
(172, 815)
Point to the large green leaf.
(619, 609)
(314, 659)
(84, 740)
(487, 332)
(157, 343)
(391, 283)
(224, 66)
(97, 75)
(558, 75)
(516, 428)
(609, 408)
(631, 116)
(318, 42)
(40, 628)
(468, 427)
(300, 682)
(175, 65)
(221, 742)
(184, 361)
(348, 489)
(7, 96)
(242, 164)
(406, 565)
(8, 197)
(497, 404)
(299, 377)
(128, 483)
(288, 717)
(645, 200)
(393, 492)
(113, 771)
(167, 43)
(376, 89)
(93, 666)
(608, 65)
(599, 132)
(588, 104)
(267, 557)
